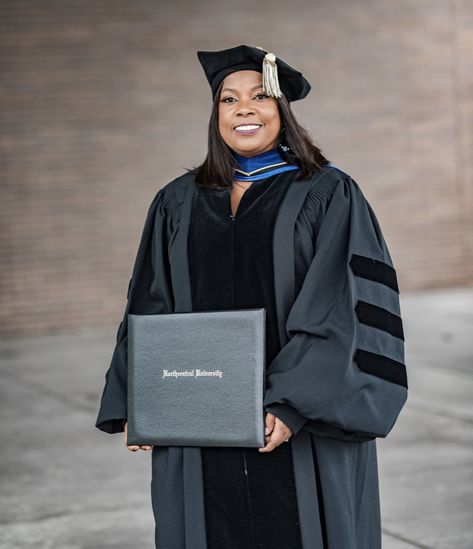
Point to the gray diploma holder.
(197, 378)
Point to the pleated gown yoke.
(249, 497)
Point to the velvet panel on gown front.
(250, 497)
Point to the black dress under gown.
(250, 497)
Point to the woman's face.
(243, 103)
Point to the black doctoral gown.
(338, 379)
(231, 267)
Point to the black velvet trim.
(231, 269)
(381, 366)
(374, 269)
(380, 318)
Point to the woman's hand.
(276, 432)
(133, 448)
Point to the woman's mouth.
(247, 129)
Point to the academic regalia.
(338, 381)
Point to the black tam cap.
(278, 76)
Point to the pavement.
(66, 485)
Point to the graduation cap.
(278, 76)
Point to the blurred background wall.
(104, 102)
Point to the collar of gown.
(261, 165)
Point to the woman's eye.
(230, 99)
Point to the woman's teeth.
(249, 128)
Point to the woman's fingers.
(277, 437)
(134, 447)
(131, 447)
(270, 421)
(273, 442)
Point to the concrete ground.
(66, 485)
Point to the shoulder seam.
(324, 186)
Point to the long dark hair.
(295, 144)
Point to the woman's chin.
(250, 148)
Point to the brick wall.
(102, 103)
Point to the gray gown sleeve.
(342, 373)
(149, 292)
(306, 224)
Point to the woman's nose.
(245, 111)
(245, 107)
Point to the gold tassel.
(270, 74)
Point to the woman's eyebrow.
(253, 88)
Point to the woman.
(267, 221)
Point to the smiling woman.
(249, 120)
(239, 98)
(267, 221)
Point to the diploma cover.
(197, 378)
